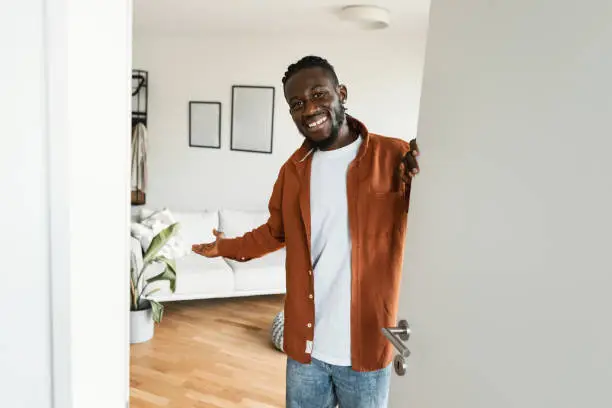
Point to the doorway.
(215, 343)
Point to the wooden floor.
(211, 353)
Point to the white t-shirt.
(331, 254)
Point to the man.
(339, 206)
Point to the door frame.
(87, 50)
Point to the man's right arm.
(265, 239)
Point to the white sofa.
(199, 277)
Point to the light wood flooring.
(210, 353)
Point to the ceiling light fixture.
(368, 17)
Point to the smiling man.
(339, 206)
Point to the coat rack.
(140, 94)
(140, 91)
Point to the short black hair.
(310, 61)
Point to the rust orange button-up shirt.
(377, 210)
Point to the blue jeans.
(322, 385)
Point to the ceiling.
(312, 17)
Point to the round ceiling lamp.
(367, 17)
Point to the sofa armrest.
(136, 260)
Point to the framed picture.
(252, 118)
(205, 124)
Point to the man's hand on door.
(409, 166)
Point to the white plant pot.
(141, 326)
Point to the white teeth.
(317, 123)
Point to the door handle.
(397, 336)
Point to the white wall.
(25, 333)
(382, 72)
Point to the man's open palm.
(209, 250)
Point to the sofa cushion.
(152, 224)
(196, 274)
(236, 223)
(265, 273)
(258, 275)
(135, 213)
(197, 227)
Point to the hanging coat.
(139, 158)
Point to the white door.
(507, 280)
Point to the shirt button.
(310, 273)
(310, 296)
(309, 325)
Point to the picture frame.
(252, 120)
(205, 124)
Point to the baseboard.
(194, 296)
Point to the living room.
(224, 320)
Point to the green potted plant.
(144, 312)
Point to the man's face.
(315, 104)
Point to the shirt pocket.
(382, 213)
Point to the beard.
(338, 119)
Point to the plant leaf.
(158, 311)
(159, 242)
(168, 274)
(152, 292)
(133, 285)
(133, 266)
(170, 263)
(133, 298)
(160, 259)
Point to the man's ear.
(343, 93)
